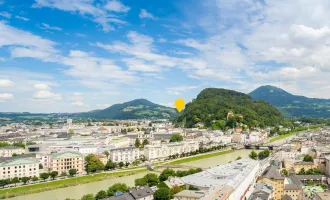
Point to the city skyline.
(81, 55)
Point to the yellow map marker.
(179, 104)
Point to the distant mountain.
(214, 104)
(136, 109)
(293, 105)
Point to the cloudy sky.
(79, 55)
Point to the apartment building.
(64, 161)
(10, 150)
(272, 175)
(164, 150)
(24, 166)
(128, 154)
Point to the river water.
(76, 192)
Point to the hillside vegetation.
(293, 105)
(212, 106)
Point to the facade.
(19, 167)
(306, 165)
(128, 154)
(64, 161)
(10, 150)
(272, 175)
(294, 191)
(164, 150)
(189, 195)
(138, 193)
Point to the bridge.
(259, 146)
(157, 168)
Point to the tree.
(14, 154)
(285, 172)
(137, 143)
(93, 163)
(302, 171)
(25, 180)
(121, 164)
(88, 197)
(40, 166)
(71, 132)
(308, 158)
(64, 174)
(145, 142)
(127, 164)
(44, 176)
(101, 195)
(15, 180)
(162, 194)
(53, 174)
(106, 153)
(238, 158)
(118, 187)
(136, 162)
(151, 179)
(140, 182)
(4, 182)
(176, 138)
(253, 155)
(174, 190)
(110, 165)
(35, 178)
(73, 172)
(166, 173)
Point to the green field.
(282, 137)
(29, 189)
(200, 157)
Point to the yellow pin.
(179, 104)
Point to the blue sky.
(80, 55)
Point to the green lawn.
(29, 189)
(200, 157)
(282, 137)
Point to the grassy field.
(282, 137)
(200, 157)
(29, 189)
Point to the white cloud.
(80, 35)
(5, 14)
(78, 103)
(144, 14)
(179, 89)
(41, 86)
(77, 94)
(6, 83)
(116, 6)
(48, 27)
(47, 95)
(99, 13)
(6, 96)
(171, 105)
(22, 18)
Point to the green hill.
(136, 109)
(212, 105)
(293, 105)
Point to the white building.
(10, 150)
(128, 154)
(164, 150)
(238, 176)
(283, 155)
(19, 167)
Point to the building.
(128, 154)
(138, 193)
(164, 150)
(293, 190)
(272, 175)
(297, 166)
(189, 195)
(263, 191)
(232, 180)
(20, 166)
(322, 196)
(64, 161)
(10, 150)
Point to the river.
(76, 192)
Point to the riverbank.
(199, 157)
(294, 133)
(41, 187)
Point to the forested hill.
(293, 105)
(212, 105)
(136, 109)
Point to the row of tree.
(150, 179)
(43, 176)
(261, 155)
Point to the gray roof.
(3, 159)
(124, 148)
(125, 196)
(272, 173)
(286, 197)
(291, 187)
(262, 191)
(141, 192)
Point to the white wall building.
(19, 167)
(164, 150)
(128, 154)
(10, 150)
